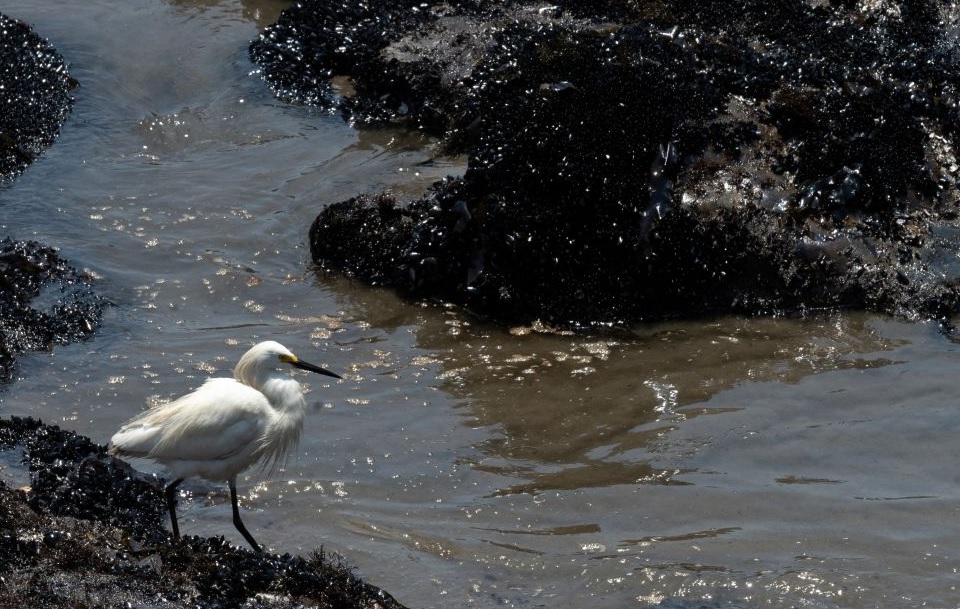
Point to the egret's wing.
(220, 418)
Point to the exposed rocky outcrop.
(44, 301)
(35, 96)
(632, 161)
(89, 531)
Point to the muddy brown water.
(769, 463)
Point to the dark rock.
(36, 96)
(44, 301)
(633, 161)
(89, 532)
(373, 234)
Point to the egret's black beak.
(305, 366)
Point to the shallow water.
(771, 463)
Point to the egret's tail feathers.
(134, 440)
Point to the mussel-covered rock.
(89, 531)
(44, 301)
(633, 161)
(35, 98)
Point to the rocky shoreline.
(89, 531)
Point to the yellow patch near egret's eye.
(288, 359)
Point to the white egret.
(224, 426)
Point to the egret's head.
(262, 359)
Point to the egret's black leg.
(171, 494)
(236, 518)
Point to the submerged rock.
(44, 301)
(35, 99)
(635, 161)
(89, 531)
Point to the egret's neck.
(283, 428)
(252, 375)
(284, 394)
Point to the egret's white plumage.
(225, 426)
